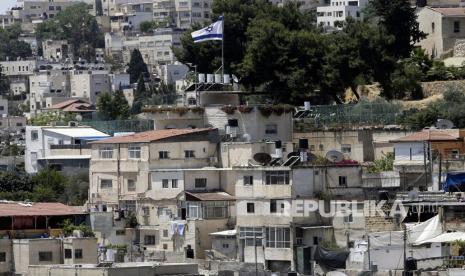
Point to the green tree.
(46, 118)
(49, 186)
(399, 20)
(386, 163)
(77, 26)
(137, 66)
(113, 107)
(140, 96)
(148, 26)
(11, 46)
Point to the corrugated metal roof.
(10, 209)
(77, 132)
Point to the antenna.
(444, 124)
(334, 156)
(262, 157)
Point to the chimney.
(307, 106)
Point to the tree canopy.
(113, 107)
(77, 26)
(136, 66)
(280, 51)
(11, 46)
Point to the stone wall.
(439, 87)
(459, 48)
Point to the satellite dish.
(334, 156)
(444, 124)
(294, 153)
(262, 158)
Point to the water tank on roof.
(209, 78)
(226, 79)
(201, 78)
(217, 78)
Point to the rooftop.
(153, 135)
(12, 208)
(77, 132)
(74, 105)
(429, 135)
(457, 11)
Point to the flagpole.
(222, 52)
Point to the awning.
(64, 157)
(316, 227)
(229, 233)
(77, 132)
(455, 180)
(211, 196)
(446, 238)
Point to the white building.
(330, 16)
(181, 13)
(90, 84)
(63, 148)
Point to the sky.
(6, 5)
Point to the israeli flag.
(212, 32)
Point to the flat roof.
(12, 209)
(153, 135)
(77, 132)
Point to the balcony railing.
(72, 146)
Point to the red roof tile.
(153, 135)
(66, 103)
(450, 11)
(428, 135)
(9, 209)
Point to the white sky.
(6, 5)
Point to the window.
(34, 135)
(78, 253)
(106, 152)
(312, 147)
(165, 233)
(278, 237)
(276, 177)
(348, 218)
(200, 183)
(271, 129)
(189, 154)
(45, 256)
(250, 208)
(456, 27)
(432, 27)
(174, 183)
(146, 211)
(149, 186)
(343, 181)
(194, 210)
(131, 185)
(149, 240)
(248, 180)
(321, 147)
(134, 152)
(252, 235)
(163, 155)
(276, 206)
(225, 245)
(346, 148)
(68, 253)
(2, 257)
(120, 232)
(165, 183)
(106, 183)
(165, 246)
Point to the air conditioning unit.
(73, 124)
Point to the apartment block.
(181, 13)
(333, 15)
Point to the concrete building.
(445, 29)
(332, 16)
(361, 145)
(90, 84)
(170, 73)
(181, 13)
(63, 148)
(131, 268)
(57, 49)
(18, 72)
(250, 125)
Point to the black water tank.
(303, 143)
(411, 264)
(278, 144)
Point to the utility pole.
(440, 172)
(405, 249)
(369, 255)
(255, 249)
(425, 148)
